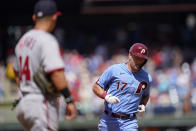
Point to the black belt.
(125, 116)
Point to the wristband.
(103, 95)
(66, 93)
(69, 100)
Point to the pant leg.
(129, 124)
(36, 114)
(108, 123)
(25, 112)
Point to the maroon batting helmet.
(139, 50)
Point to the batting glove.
(111, 99)
(141, 110)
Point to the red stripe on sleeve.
(49, 72)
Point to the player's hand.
(141, 110)
(71, 111)
(112, 99)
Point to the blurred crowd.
(87, 53)
(173, 90)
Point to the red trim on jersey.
(47, 114)
(99, 85)
(97, 81)
(105, 93)
(49, 72)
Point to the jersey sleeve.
(51, 58)
(105, 78)
(147, 91)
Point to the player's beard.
(134, 67)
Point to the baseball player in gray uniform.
(38, 48)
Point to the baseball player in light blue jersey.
(125, 88)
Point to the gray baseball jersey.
(37, 48)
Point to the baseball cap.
(139, 50)
(45, 8)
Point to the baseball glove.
(44, 83)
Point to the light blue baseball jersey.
(129, 87)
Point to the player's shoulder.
(40, 35)
(115, 66)
(42, 38)
(146, 74)
(113, 69)
(43, 35)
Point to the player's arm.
(99, 91)
(144, 100)
(52, 60)
(142, 106)
(59, 80)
